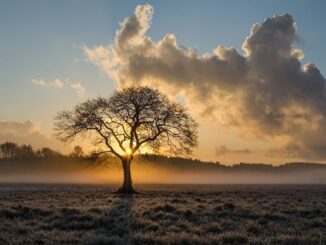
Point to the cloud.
(80, 90)
(265, 92)
(223, 150)
(27, 132)
(58, 84)
(18, 128)
(39, 82)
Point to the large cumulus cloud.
(265, 91)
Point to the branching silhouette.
(132, 119)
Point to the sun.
(128, 151)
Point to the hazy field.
(162, 214)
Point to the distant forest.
(13, 151)
(25, 154)
(23, 163)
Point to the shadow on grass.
(121, 221)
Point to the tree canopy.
(131, 120)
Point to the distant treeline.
(26, 155)
(13, 151)
(195, 164)
(23, 159)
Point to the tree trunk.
(126, 188)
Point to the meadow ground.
(162, 214)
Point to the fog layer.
(160, 170)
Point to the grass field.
(162, 214)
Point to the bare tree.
(9, 150)
(132, 119)
(77, 152)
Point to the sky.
(55, 54)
